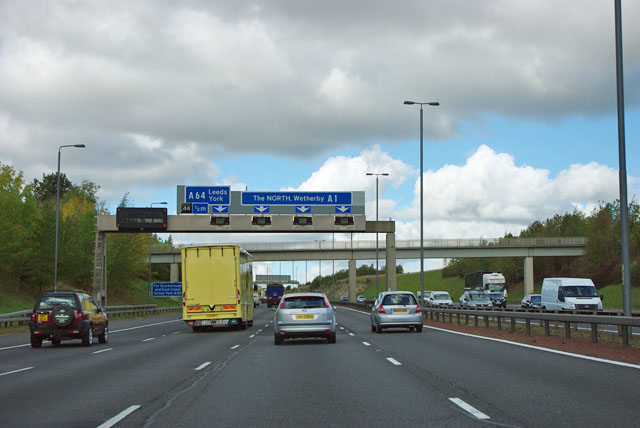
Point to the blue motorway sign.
(213, 195)
(200, 208)
(166, 289)
(296, 198)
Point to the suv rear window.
(48, 302)
(399, 299)
(303, 302)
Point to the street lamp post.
(55, 257)
(150, 236)
(433, 104)
(377, 175)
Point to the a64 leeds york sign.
(219, 199)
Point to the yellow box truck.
(217, 287)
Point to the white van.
(570, 294)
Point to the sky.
(307, 95)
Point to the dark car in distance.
(67, 314)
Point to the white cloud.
(490, 195)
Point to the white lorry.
(487, 281)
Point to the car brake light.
(381, 310)
(418, 310)
(326, 303)
(81, 316)
(33, 316)
(281, 303)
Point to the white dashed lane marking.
(203, 365)
(467, 407)
(394, 361)
(234, 347)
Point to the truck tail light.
(238, 296)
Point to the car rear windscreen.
(399, 299)
(49, 302)
(303, 302)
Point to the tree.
(47, 188)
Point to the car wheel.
(62, 315)
(277, 339)
(243, 325)
(332, 337)
(378, 329)
(56, 341)
(87, 339)
(419, 328)
(104, 337)
(36, 342)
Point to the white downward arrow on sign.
(303, 209)
(219, 208)
(262, 208)
(342, 209)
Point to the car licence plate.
(43, 317)
(304, 317)
(401, 310)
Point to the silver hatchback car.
(396, 309)
(304, 315)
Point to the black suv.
(67, 314)
(498, 300)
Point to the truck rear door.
(212, 277)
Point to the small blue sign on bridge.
(296, 198)
(213, 195)
(200, 208)
(166, 289)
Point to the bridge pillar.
(173, 272)
(528, 275)
(391, 262)
(353, 286)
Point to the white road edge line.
(235, 346)
(16, 371)
(103, 350)
(394, 361)
(366, 343)
(469, 408)
(203, 365)
(553, 351)
(15, 346)
(149, 339)
(120, 416)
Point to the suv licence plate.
(43, 317)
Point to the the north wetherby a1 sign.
(296, 198)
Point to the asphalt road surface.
(156, 372)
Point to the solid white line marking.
(203, 365)
(120, 416)
(234, 347)
(143, 326)
(103, 350)
(16, 371)
(475, 412)
(553, 351)
(351, 334)
(15, 346)
(366, 343)
(394, 361)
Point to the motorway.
(156, 372)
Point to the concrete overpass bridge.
(390, 250)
